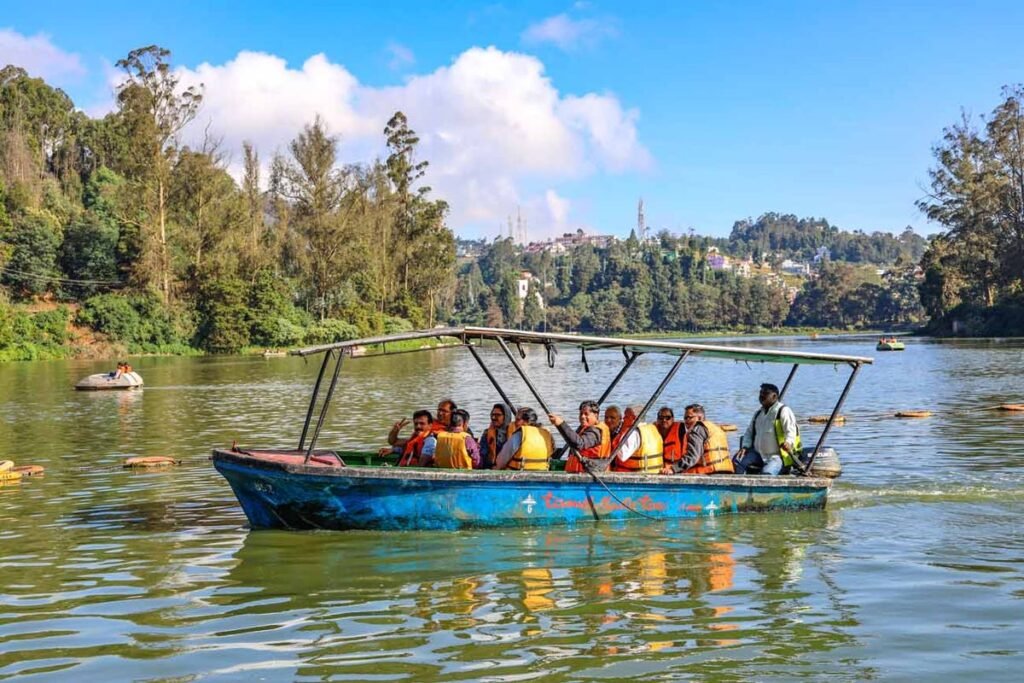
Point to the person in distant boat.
(772, 437)
(590, 442)
(641, 453)
(529, 447)
(445, 408)
(671, 436)
(417, 448)
(456, 449)
(495, 435)
(705, 446)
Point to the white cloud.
(567, 33)
(401, 56)
(491, 123)
(38, 56)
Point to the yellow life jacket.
(647, 457)
(451, 451)
(715, 458)
(535, 449)
(780, 436)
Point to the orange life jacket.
(715, 458)
(602, 450)
(647, 458)
(672, 443)
(413, 449)
(436, 427)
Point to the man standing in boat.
(772, 437)
(591, 441)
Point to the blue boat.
(309, 488)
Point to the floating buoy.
(728, 428)
(6, 465)
(9, 475)
(1015, 407)
(151, 461)
(822, 419)
(29, 470)
(914, 413)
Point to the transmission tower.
(641, 222)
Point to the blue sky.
(712, 112)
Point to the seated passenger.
(417, 448)
(590, 442)
(771, 439)
(495, 435)
(529, 447)
(641, 452)
(671, 436)
(465, 422)
(705, 446)
(456, 449)
(445, 408)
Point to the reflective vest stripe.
(535, 449)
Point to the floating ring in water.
(914, 413)
(29, 470)
(727, 428)
(1015, 407)
(9, 475)
(151, 461)
(6, 465)
(822, 419)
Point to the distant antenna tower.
(523, 235)
(510, 235)
(641, 222)
(518, 237)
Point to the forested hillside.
(164, 250)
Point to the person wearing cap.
(772, 437)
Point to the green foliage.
(331, 330)
(223, 315)
(140, 321)
(32, 336)
(977, 264)
(31, 243)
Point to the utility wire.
(50, 278)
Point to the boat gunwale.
(500, 476)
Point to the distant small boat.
(274, 354)
(889, 345)
(106, 381)
(814, 335)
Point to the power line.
(63, 280)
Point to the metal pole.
(788, 380)
(327, 403)
(522, 373)
(608, 391)
(494, 381)
(312, 401)
(832, 418)
(654, 397)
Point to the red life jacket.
(672, 443)
(602, 450)
(413, 449)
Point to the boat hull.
(105, 382)
(897, 346)
(280, 492)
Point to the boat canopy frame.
(631, 349)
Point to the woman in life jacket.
(496, 435)
(590, 442)
(530, 446)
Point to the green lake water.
(914, 572)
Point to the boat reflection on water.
(521, 600)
